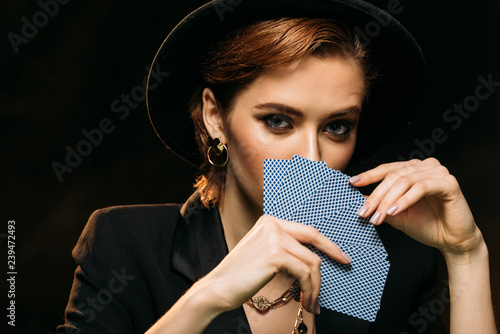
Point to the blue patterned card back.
(310, 193)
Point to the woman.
(267, 80)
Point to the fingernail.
(317, 308)
(375, 218)
(346, 257)
(354, 179)
(392, 209)
(363, 209)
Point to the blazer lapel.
(199, 246)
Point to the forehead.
(313, 82)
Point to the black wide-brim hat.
(394, 99)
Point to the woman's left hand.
(422, 199)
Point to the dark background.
(64, 79)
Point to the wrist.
(469, 253)
(465, 267)
(203, 295)
(470, 294)
(191, 314)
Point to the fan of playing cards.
(310, 193)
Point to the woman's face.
(310, 108)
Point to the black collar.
(199, 246)
(199, 243)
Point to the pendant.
(261, 303)
(299, 327)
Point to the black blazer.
(135, 262)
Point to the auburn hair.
(231, 64)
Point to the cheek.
(247, 152)
(340, 163)
(249, 141)
(338, 156)
(244, 146)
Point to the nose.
(309, 145)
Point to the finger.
(295, 235)
(442, 186)
(394, 186)
(310, 259)
(378, 173)
(404, 167)
(284, 236)
(304, 274)
(309, 235)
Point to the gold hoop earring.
(220, 150)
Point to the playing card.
(302, 178)
(274, 173)
(354, 289)
(346, 227)
(310, 193)
(334, 193)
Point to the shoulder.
(136, 216)
(123, 263)
(118, 230)
(131, 212)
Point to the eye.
(277, 121)
(339, 128)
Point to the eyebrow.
(286, 109)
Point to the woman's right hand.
(271, 246)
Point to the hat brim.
(394, 98)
